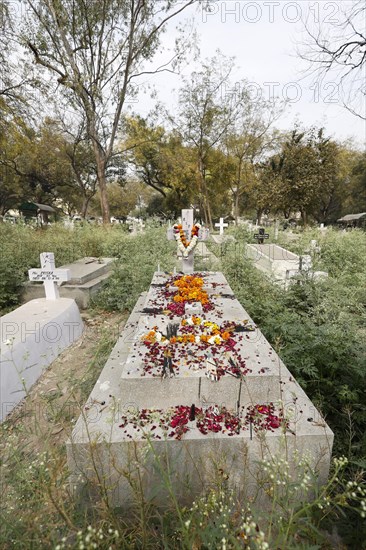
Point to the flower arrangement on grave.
(172, 297)
(178, 420)
(186, 246)
(190, 289)
(189, 345)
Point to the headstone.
(49, 275)
(306, 263)
(221, 225)
(261, 235)
(277, 225)
(141, 225)
(314, 247)
(187, 225)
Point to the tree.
(342, 50)
(307, 175)
(77, 149)
(11, 189)
(246, 141)
(161, 161)
(95, 50)
(124, 198)
(355, 200)
(330, 178)
(206, 112)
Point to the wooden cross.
(49, 275)
(187, 224)
(221, 225)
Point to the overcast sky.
(263, 36)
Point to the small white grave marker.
(277, 225)
(49, 275)
(221, 225)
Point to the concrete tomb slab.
(135, 424)
(32, 336)
(87, 276)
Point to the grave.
(33, 335)
(191, 388)
(273, 259)
(281, 264)
(221, 238)
(87, 276)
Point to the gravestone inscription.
(49, 275)
(261, 235)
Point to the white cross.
(49, 275)
(141, 225)
(221, 225)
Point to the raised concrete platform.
(273, 259)
(87, 277)
(32, 336)
(281, 264)
(105, 450)
(149, 390)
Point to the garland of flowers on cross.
(180, 233)
(186, 246)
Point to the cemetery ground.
(318, 329)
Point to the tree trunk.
(204, 193)
(259, 216)
(101, 169)
(84, 208)
(236, 208)
(208, 207)
(304, 217)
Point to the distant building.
(41, 212)
(353, 220)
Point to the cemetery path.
(47, 415)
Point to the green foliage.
(318, 328)
(22, 245)
(137, 260)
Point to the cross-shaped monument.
(187, 225)
(49, 275)
(221, 225)
(261, 235)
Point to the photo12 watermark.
(271, 12)
(290, 92)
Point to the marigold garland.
(186, 246)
